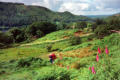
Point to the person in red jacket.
(52, 57)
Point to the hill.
(98, 16)
(18, 14)
(114, 16)
(31, 62)
(117, 15)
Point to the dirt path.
(34, 43)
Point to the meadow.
(30, 61)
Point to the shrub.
(75, 40)
(102, 30)
(81, 25)
(5, 39)
(49, 47)
(58, 74)
(76, 65)
(113, 39)
(31, 62)
(2, 45)
(39, 27)
(17, 34)
(39, 33)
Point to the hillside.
(31, 62)
(98, 16)
(118, 15)
(18, 14)
(114, 16)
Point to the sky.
(77, 7)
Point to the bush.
(33, 62)
(49, 48)
(2, 45)
(17, 34)
(39, 33)
(75, 40)
(112, 40)
(81, 25)
(58, 74)
(102, 30)
(40, 27)
(5, 39)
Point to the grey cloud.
(95, 6)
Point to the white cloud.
(74, 7)
(10, 0)
(79, 7)
(44, 3)
(91, 7)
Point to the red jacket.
(53, 56)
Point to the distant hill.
(117, 15)
(98, 16)
(18, 14)
(114, 16)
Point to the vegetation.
(37, 68)
(85, 50)
(18, 14)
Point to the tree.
(115, 22)
(17, 34)
(99, 21)
(74, 40)
(81, 25)
(5, 39)
(40, 28)
(102, 30)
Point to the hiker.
(52, 57)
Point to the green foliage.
(5, 39)
(17, 34)
(75, 40)
(113, 39)
(16, 67)
(102, 30)
(29, 62)
(61, 26)
(17, 14)
(39, 33)
(81, 25)
(115, 22)
(34, 62)
(58, 74)
(57, 35)
(97, 22)
(77, 46)
(40, 28)
(49, 47)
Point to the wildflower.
(99, 51)
(97, 58)
(89, 68)
(93, 70)
(106, 50)
(68, 67)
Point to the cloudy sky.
(78, 7)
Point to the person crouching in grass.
(52, 57)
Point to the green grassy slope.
(16, 63)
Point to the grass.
(78, 57)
